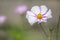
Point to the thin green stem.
(43, 30)
(57, 28)
(51, 35)
(51, 30)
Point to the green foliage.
(15, 34)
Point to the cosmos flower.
(20, 9)
(2, 19)
(38, 14)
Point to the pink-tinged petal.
(49, 14)
(42, 20)
(39, 21)
(29, 13)
(35, 10)
(32, 20)
(46, 12)
(44, 16)
(2, 19)
(20, 9)
(43, 9)
(30, 17)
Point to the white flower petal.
(48, 14)
(39, 21)
(31, 19)
(44, 20)
(35, 9)
(43, 9)
(29, 13)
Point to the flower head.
(38, 14)
(2, 19)
(20, 9)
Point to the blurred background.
(14, 25)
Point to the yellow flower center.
(39, 16)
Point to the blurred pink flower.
(2, 19)
(20, 9)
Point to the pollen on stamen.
(39, 16)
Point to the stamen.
(39, 16)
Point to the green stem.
(57, 28)
(43, 30)
(51, 30)
(51, 35)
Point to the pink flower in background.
(20, 9)
(2, 19)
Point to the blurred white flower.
(2, 19)
(38, 14)
(20, 9)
